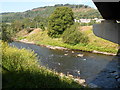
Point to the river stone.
(118, 80)
(66, 51)
(81, 81)
(71, 76)
(61, 74)
(73, 52)
(112, 71)
(114, 74)
(58, 63)
(84, 59)
(78, 72)
(65, 54)
(80, 55)
(117, 77)
(92, 85)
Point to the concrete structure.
(109, 9)
(109, 29)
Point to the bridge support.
(109, 30)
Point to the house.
(85, 20)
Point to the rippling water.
(97, 69)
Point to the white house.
(88, 20)
(85, 20)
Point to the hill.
(100, 45)
(80, 11)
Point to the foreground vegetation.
(20, 69)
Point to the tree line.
(46, 11)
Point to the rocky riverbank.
(62, 48)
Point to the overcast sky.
(23, 5)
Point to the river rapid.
(98, 70)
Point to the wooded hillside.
(80, 11)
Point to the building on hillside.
(98, 20)
(88, 20)
(85, 20)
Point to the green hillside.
(80, 11)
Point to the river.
(96, 69)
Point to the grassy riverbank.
(96, 43)
(20, 69)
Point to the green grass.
(100, 44)
(95, 43)
(20, 69)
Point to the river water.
(96, 69)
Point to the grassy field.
(20, 69)
(96, 43)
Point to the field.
(95, 43)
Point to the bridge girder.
(109, 9)
(108, 29)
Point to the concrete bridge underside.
(109, 29)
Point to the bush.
(14, 59)
(42, 27)
(7, 32)
(73, 36)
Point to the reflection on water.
(95, 68)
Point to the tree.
(7, 32)
(41, 22)
(17, 25)
(59, 21)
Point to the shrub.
(42, 27)
(73, 36)
(7, 32)
(14, 59)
